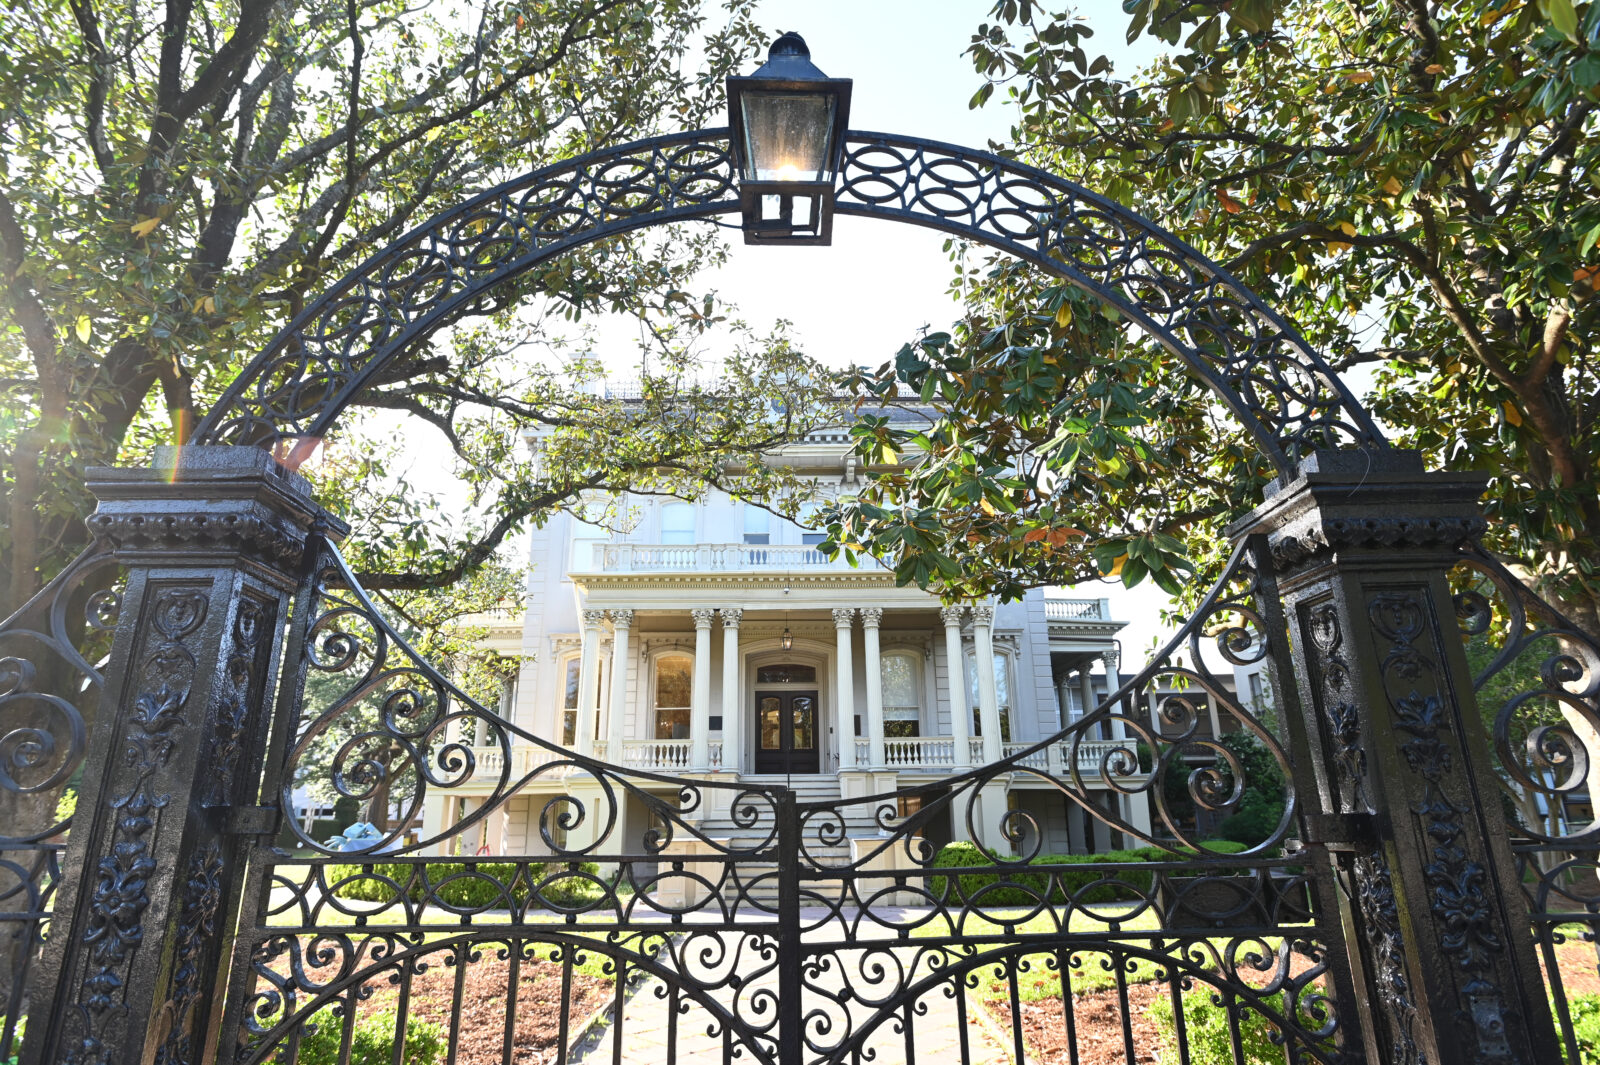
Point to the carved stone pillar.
(700, 693)
(732, 704)
(1404, 799)
(617, 715)
(588, 681)
(871, 618)
(845, 685)
(214, 539)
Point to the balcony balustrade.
(1077, 609)
(707, 558)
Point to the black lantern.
(788, 121)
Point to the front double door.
(786, 732)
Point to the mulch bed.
(1098, 1015)
(483, 1006)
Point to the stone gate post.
(213, 538)
(1434, 919)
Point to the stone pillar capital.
(983, 614)
(1112, 658)
(702, 617)
(871, 617)
(592, 619)
(951, 616)
(621, 619)
(731, 616)
(843, 616)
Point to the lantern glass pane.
(786, 135)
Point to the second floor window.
(677, 523)
(1002, 691)
(810, 521)
(673, 686)
(757, 525)
(902, 709)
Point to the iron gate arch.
(1384, 852)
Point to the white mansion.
(715, 640)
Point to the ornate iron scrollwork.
(1281, 390)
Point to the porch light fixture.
(787, 123)
(787, 639)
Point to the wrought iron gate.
(212, 650)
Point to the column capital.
(1112, 658)
(593, 618)
(843, 616)
(982, 614)
(621, 618)
(702, 617)
(871, 616)
(731, 616)
(951, 616)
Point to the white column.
(732, 705)
(1086, 691)
(588, 680)
(844, 686)
(700, 693)
(960, 712)
(616, 717)
(1119, 728)
(871, 617)
(988, 698)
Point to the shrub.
(1206, 1026)
(1585, 1013)
(1023, 888)
(453, 888)
(372, 1042)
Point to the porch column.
(845, 685)
(588, 681)
(1086, 692)
(960, 712)
(1112, 658)
(616, 717)
(700, 693)
(732, 704)
(871, 616)
(988, 698)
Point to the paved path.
(936, 1034)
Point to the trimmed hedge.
(1209, 1037)
(1023, 888)
(466, 892)
(372, 1042)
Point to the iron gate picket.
(1384, 919)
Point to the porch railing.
(1077, 609)
(701, 558)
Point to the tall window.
(810, 519)
(677, 523)
(902, 709)
(569, 702)
(757, 525)
(673, 685)
(1002, 692)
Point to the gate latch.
(253, 820)
(1340, 831)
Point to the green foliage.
(1414, 186)
(372, 1041)
(1261, 802)
(1585, 1013)
(1206, 1027)
(1023, 888)
(453, 888)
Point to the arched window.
(902, 705)
(673, 685)
(677, 523)
(569, 698)
(1002, 691)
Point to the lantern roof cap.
(789, 60)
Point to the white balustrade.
(671, 755)
(1037, 760)
(1076, 609)
(918, 752)
(700, 558)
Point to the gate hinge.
(253, 820)
(1340, 831)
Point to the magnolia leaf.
(1563, 17)
(85, 328)
(1513, 415)
(144, 227)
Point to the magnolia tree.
(1414, 185)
